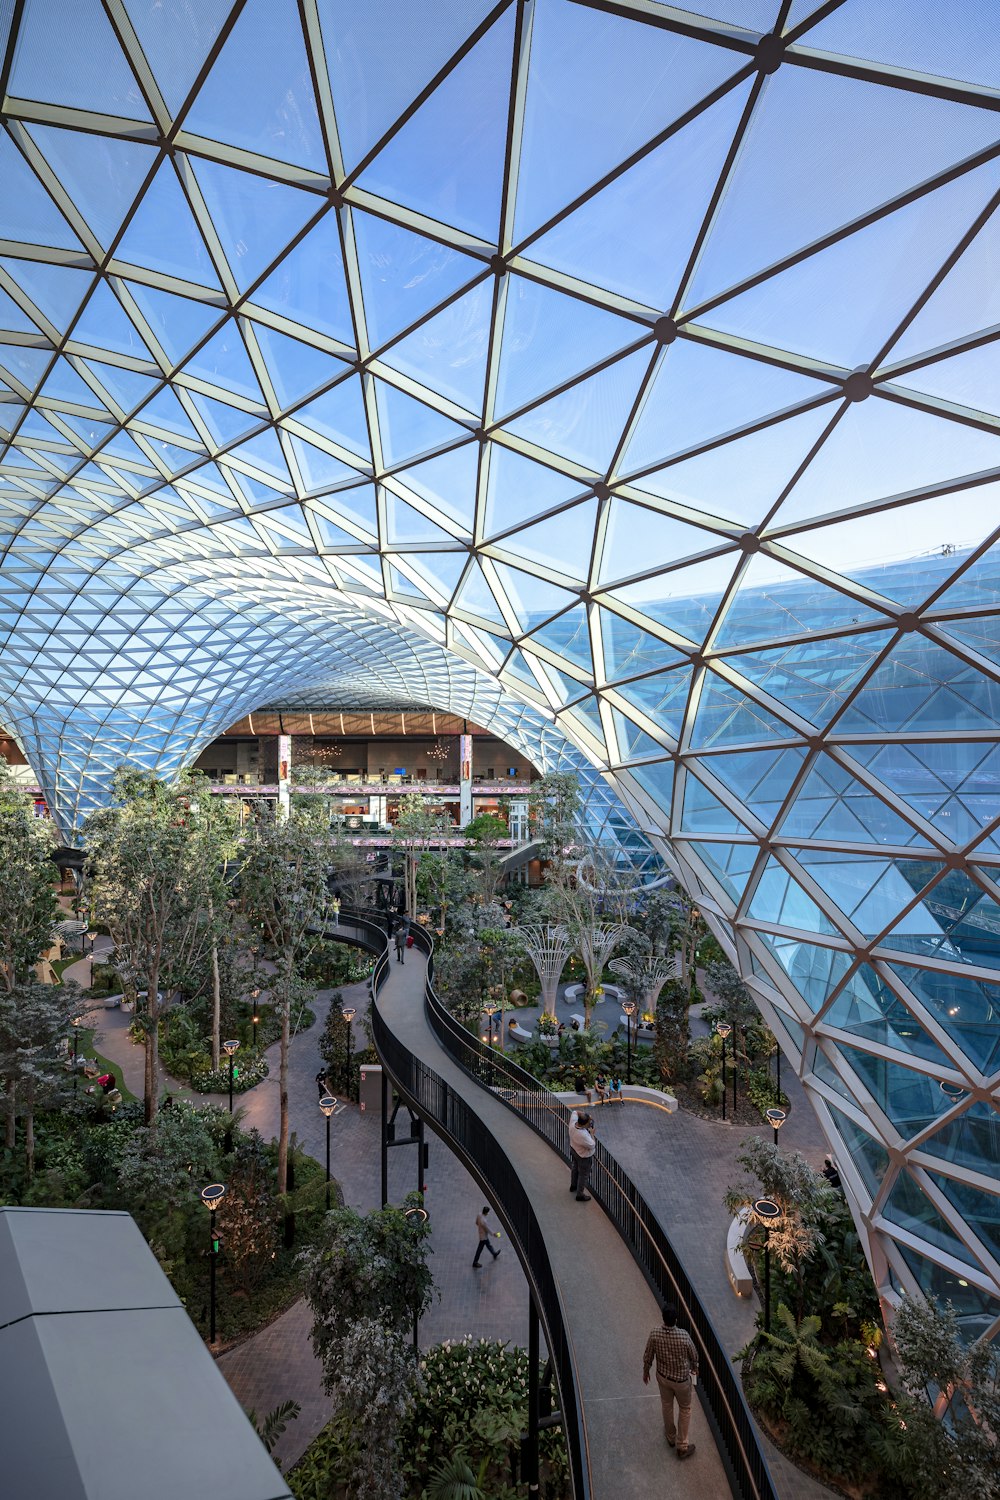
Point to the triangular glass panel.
(727, 716)
(842, 304)
(419, 167)
(703, 812)
(773, 600)
(476, 597)
(404, 274)
(812, 677)
(448, 353)
(636, 535)
(77, 62)
(868, 1155)
(318, 468)
(881, 448)
(780, 900)
(164, 236)
(104, 324)
(684, 599)
(586, 711)
(56, 291)
(519, 489)
(788, 188)
(911, 1209)
(950, 784)
(629, 650)
(832, 805)
(742, 480)
(166, 413)
(550, 337)
(564, 542)
(440, 571)
(227, 424)
(970, 379)
(699, 392)
(264, 452)
(177, 323)
(358, 505)
(176, 38)
(760, 778)
(923, 687)
(339, 414)
(405, 525)
(296, 368)
(873, 1012)
(224, 362)
(662, 699)
(12, 319)
(569, 637)
(30, 215)
(408, 428)
(979, 1210)
(586, 422)
(871, 891)
(380, 61)
(649, 266)
(100, 173)
(731, 864)
(968, 52)
(331, 537)
(309, 286)
(968, 1009)
(254, 218)
(63, 384)
(448, 482)
(972, 1139)
(533, 599)
(657, 778)
(599, 87)
(259, 94)
(634, 743)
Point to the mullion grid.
(744, 43)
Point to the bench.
(736, 1266)
(574, 992)
(518, 1034)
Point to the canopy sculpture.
(548, 946)
(571, 339)
(646, 974)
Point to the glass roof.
(638, 362)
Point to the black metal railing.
(441, 1106)
(719, 1388)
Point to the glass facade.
(625, 377)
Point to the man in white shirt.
(582, 1146)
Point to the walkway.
(608, 1307)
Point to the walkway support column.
(529, 1443)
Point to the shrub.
(249, 1071)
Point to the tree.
(554, 814)
(484, 834)
(28, 904)
(415, 833)
(674, 924)
(373, 1387)
(36, 1024)
(158, 859)
(283, 882)
(805, 1198)
(645, 976)
(248, 1215)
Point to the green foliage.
(759, 1087)
(28, 905)
(272, 1426)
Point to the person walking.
(582, 1145)
(399, 937)
(321, 1083)
(676, 1374)
(484, 1238)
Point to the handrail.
(718, 1387)
(475, 1143)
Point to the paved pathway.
(608, 1308)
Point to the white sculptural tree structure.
(548, 946)
(646, 974)
(595, 945)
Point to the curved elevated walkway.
(607, 1306)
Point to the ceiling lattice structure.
(642, 361)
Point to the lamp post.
(231, 1049)
(777, 1070)
(628, 1006)
(767, 1211)
(76, 1047)
(255, 996)
(212, 1196)
(775, 1118)
(416, 1218)
(491, 1008)
(348, 1015)
(328, 1104)
(724, 1028)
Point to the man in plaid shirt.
(676, 1371)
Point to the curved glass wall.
(640, 361)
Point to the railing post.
(385, 1142)
(529, 1444)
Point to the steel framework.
(640, 365)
